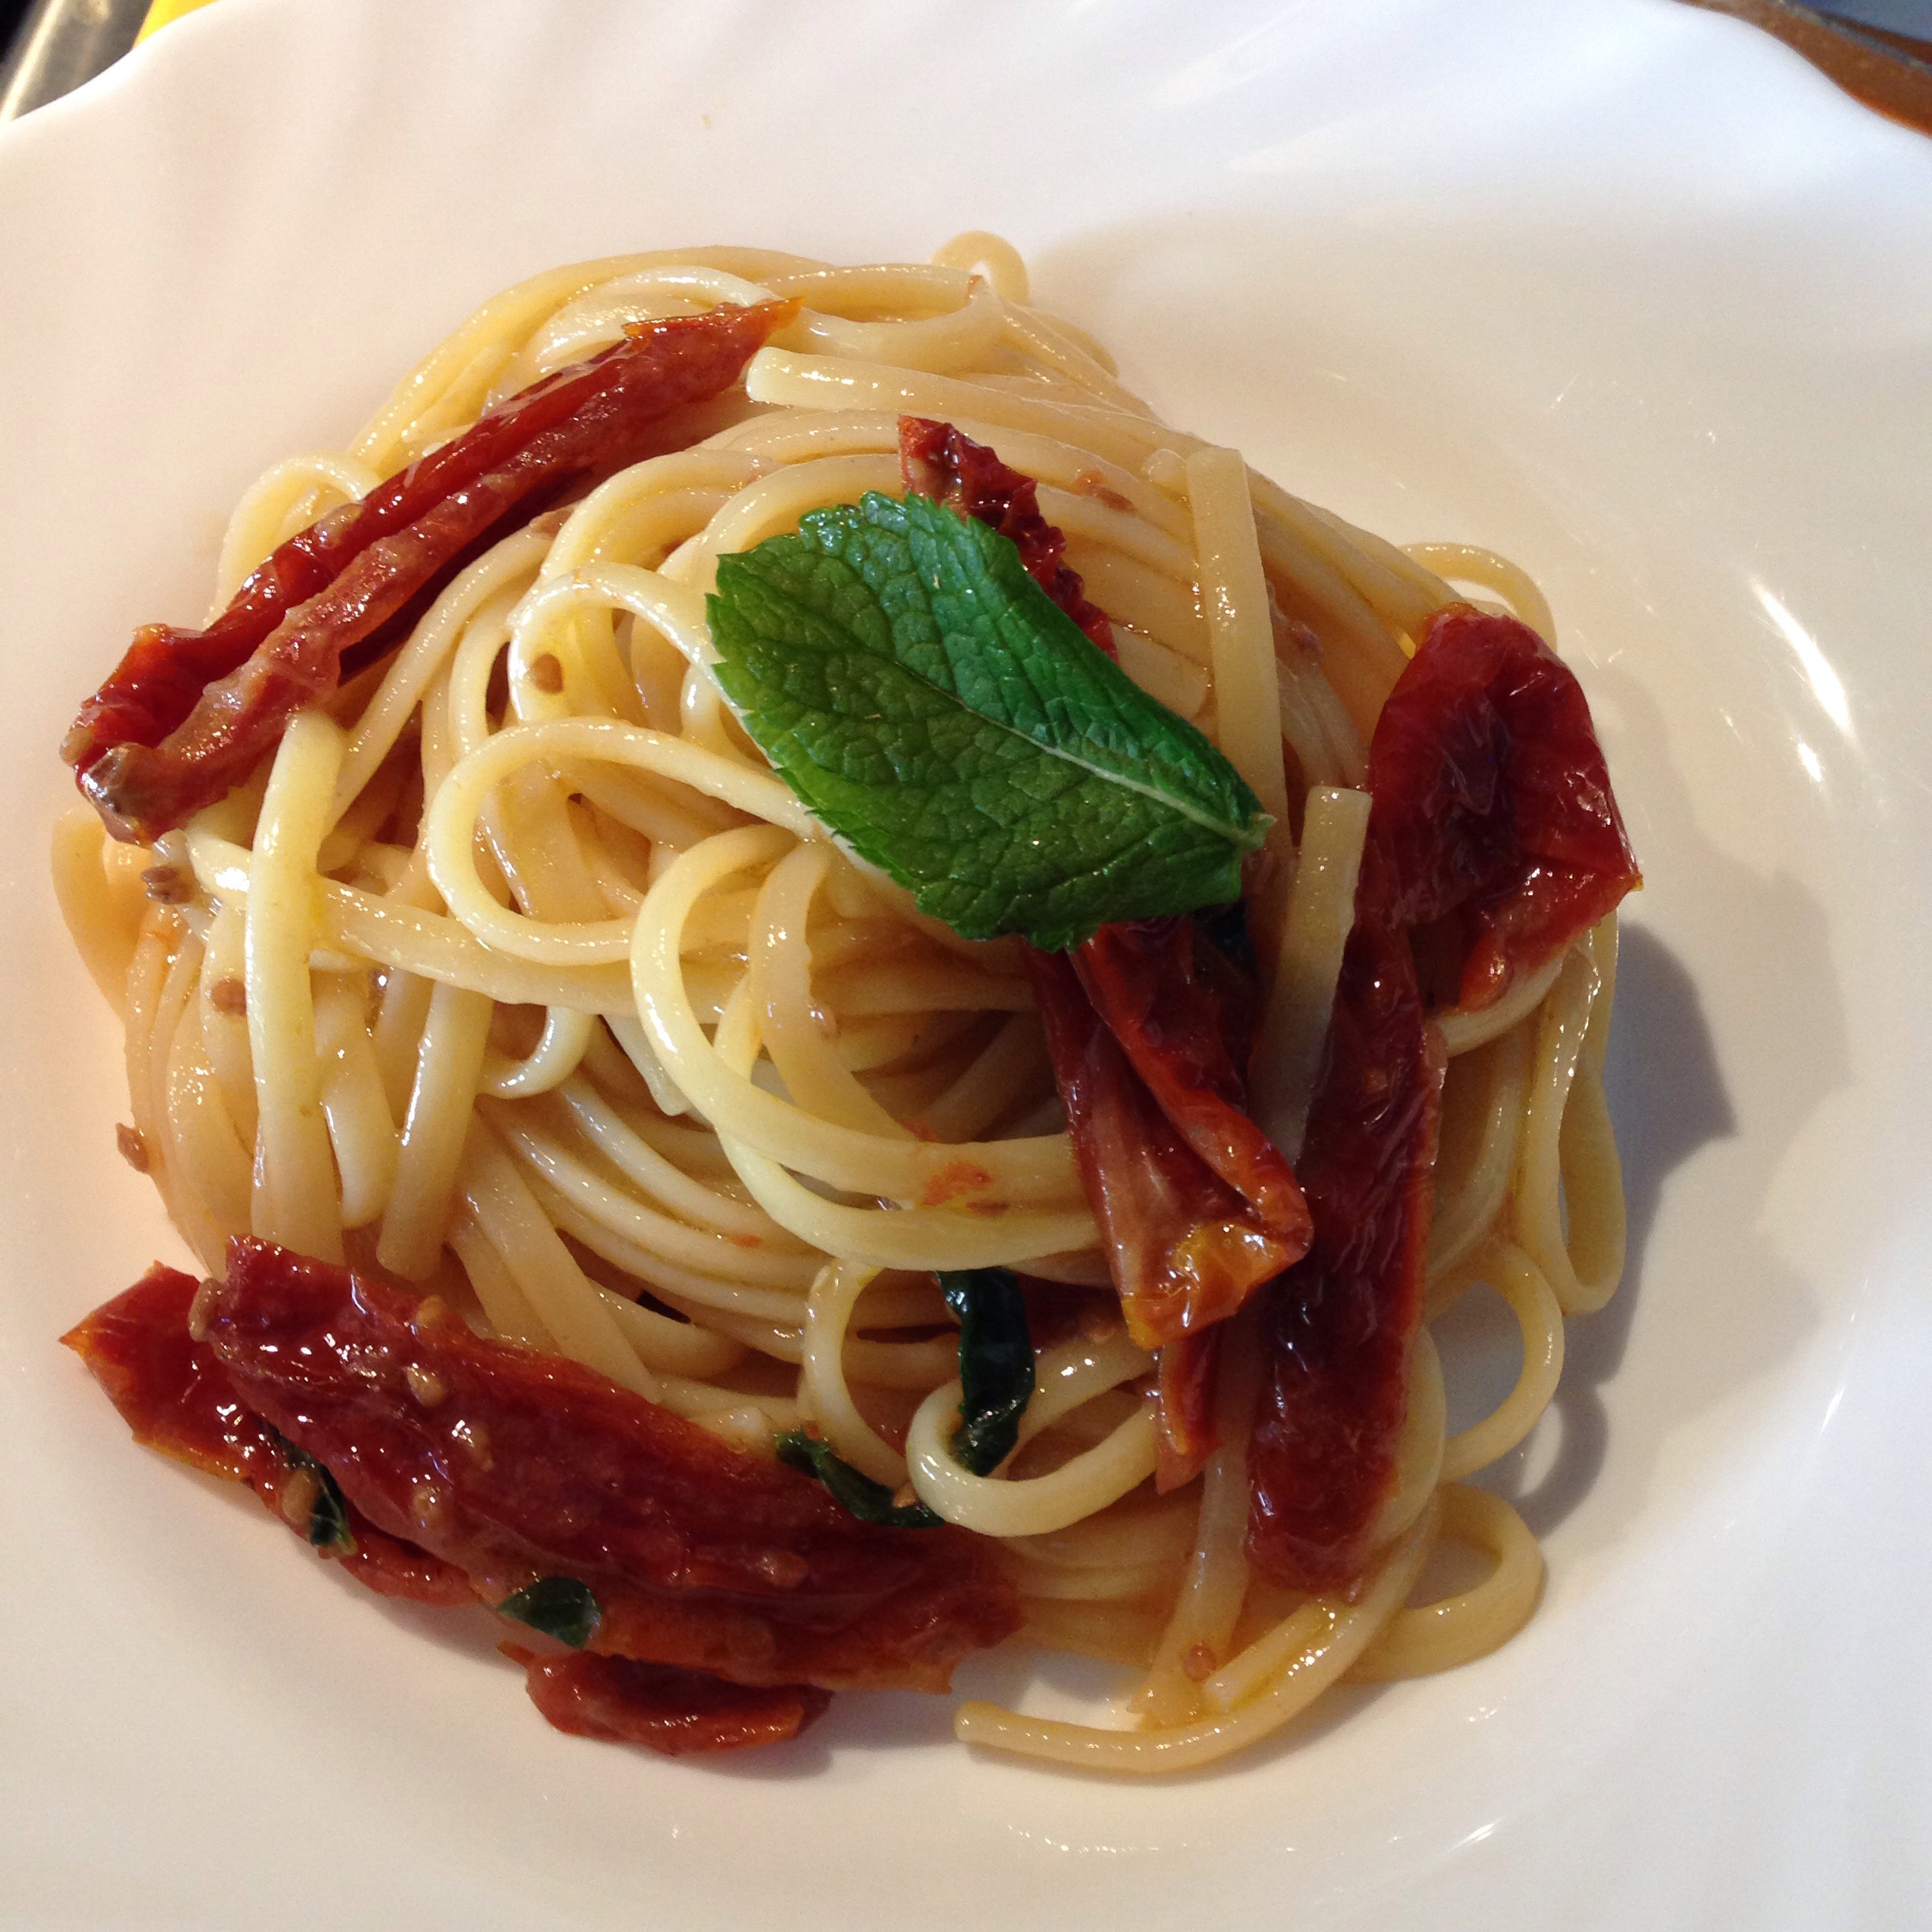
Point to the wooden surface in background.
(1886, 71)
(1889, 72)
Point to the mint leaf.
(996, 1364)
(559, 1606)
(929, 702)
(851, 1490)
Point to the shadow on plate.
(1668, 1100)
(1669, 1097)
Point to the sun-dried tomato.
(1147, 1026)
(527, 1465)
(668, 1710)
(1494, 839)
(174, 1393)
(945, 464)
(1492, 802)
(1341, 1323)
(188, 714)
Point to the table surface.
(1891, 72)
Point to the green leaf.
(929, 702)
(996, 1364)
(559, 1606)
(853, 1490)
(328, 1515)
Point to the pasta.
(514, 976)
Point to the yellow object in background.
(161, 11)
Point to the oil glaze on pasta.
(493, 1008)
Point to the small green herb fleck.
(870, 1501)
(559, 1606)
(996, 1364)
(929, 702)
(328, 1516)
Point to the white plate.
(1621, 288)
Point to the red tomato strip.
(668, 1710)
(1341, 1325)
(1492, 802)
(188, 714)
(1492, 828)
(528, 1466)
(1186, 1248)
(177, 1398)
(939, 461)
(518, 1466)
(1185, 1016)
(1147, 1025)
